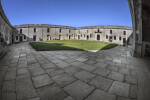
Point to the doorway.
(87, 37)
(20, 38)
(98, 37)
(34, 37)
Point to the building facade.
(38, 32)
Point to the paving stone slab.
(119, 88)
(84, 76)
(37, 98)
(101, 65)
(72, 70)
(23, 76)
(124, 98)
(22, 71)
(113, 68)
(88, 67)
(42, 80)
(116, 76)
(124, 71)
(36, 71)
(11, 73)
(63, 64)
(54, 71)
(100, 95)
(51, 92)
(101, 83)
(81, 59)
(134, 91)
(48, 65)
(25, 89)
(68, 98)
(78, 90)
(101, 71)
(131, 79)
(63, 79)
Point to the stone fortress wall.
(6, 32)
(38, 32)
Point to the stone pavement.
(26, 74)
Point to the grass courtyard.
(71, 45)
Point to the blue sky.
(68, 12)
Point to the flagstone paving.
(26, 74)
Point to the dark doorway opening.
(20, 38)
(69, 37)
(78, 36)
(124, 40)
(87, 37)
(34, 38)
(110, 38)
(98, 37)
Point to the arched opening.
(98, 37)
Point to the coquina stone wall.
(38, 32)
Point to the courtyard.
(71, 45)
(26, 74)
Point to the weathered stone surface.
(54, 71)
(72, 70)
(52, 92)
(36, 71)
(25, 89)
(101, 71)
(62, 65)
(11, 73)
(63, 79)
(41, 80)
(84, 76)
(124, 71)
(22, 76)
(101, 83)
(88, 67)
(81, 59)
(116, 76)
(119, 88)
(68, 98)
(22, 71)
(100, 95)
(124, 98)
(134, 91)
(113, 68)
(79, 90)
(37, 98)
(49, 65)
(8, 90)
(131, 79)
(101, 65)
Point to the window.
(60, 31)
(90, 35)
(16, 37)
(106, 36)
(87, 31)
(20, 30)
(84, 35)
(120, 38)
(114, 37)
(69, 31)
(48, 30)
(81, 35)
(25, 37)
(98, 30)
(110, 31)
(34, 29)
(124, 32)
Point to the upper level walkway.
(113, 74)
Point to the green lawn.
(71, 45)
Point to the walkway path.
(68, 75)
